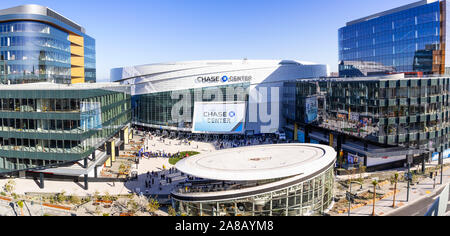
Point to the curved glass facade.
(35, 52)
(310, 197)
(410, 40)
(156, 108)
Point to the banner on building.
(221, 118)
(311, 109)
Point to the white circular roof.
(261, 162)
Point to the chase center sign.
(222, 79)
(219, 117)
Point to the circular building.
(265, 180)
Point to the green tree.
(60, 197)
(152, 206)
(362, 170)
(133, 206)
(9, 186)
(107, 197)
(374, 183)
(171, 211)
(98, 210)
(97, 196)
(20, 204)
(395, 181)
(122, 168)
(75, 200)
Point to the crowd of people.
(219, 141)
(246, 141)
(162, 154)
(157, 180)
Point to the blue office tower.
(410, 39)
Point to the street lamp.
(410, 159)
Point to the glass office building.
(39, 45)
(378, 113)
(45, 124)
(407, 112)
(410, 38)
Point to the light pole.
(434, 179)
(395, 188)
(441, 162)
(408, 176)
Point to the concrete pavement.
(421, 197)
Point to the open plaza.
(235, 137)
(153, 177)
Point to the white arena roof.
(261, 162)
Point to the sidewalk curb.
(419, 199)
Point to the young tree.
(98, 210)
(75, 200)
(107, 196)
(96, 196)
(395, 180)
(20, 204)
(60, 197)
(171, 211)
(152, 206)
(9, 186)
(362, 170)
(122, 169)
(133, 206)
(374, 183)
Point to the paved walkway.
(417, 193)
(23, 186)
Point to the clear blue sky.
(136, 32)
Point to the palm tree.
(374, 183)
(20, 204)
(395, 188)
(9, 186)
